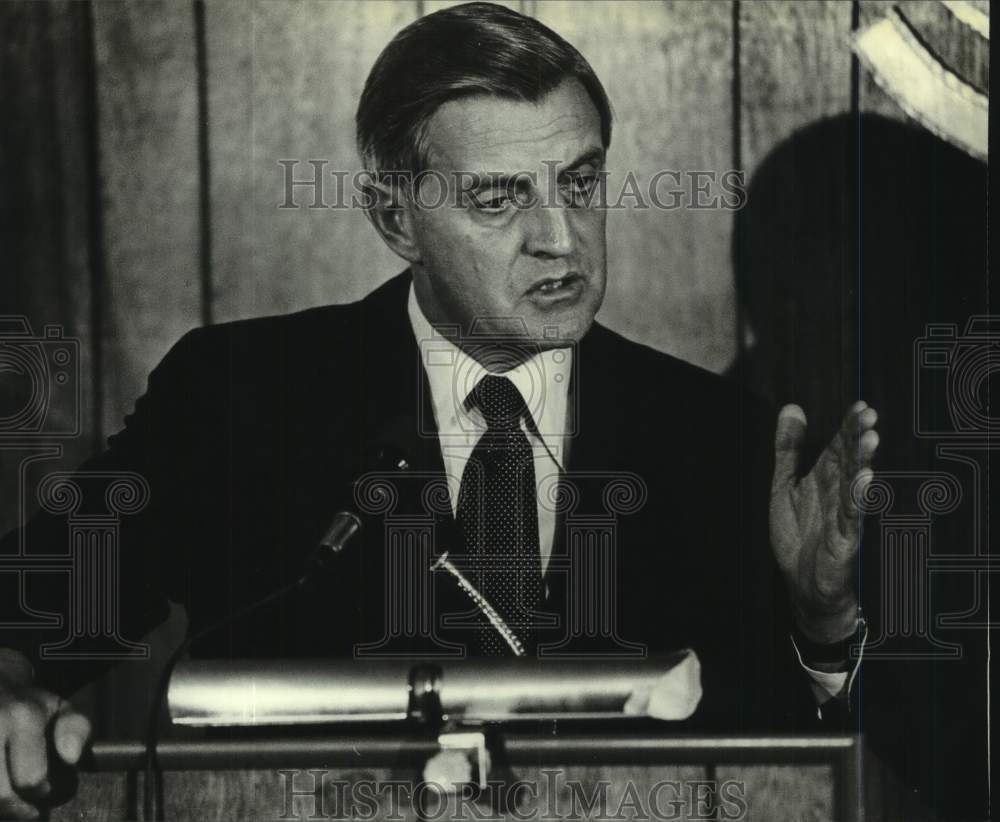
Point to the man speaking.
(485, 136)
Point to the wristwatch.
(839, 651)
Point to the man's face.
(513, 247)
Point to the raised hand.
(815, 523)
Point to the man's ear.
(391, 212)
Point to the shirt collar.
(543, 381)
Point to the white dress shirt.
(543, 381)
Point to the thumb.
(70, 733)
(788, 438)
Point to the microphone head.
(346, 524)
(343, 527)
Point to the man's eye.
(583, 183)
(491, 202)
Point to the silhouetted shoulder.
(645, 372)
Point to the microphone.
(343, 526)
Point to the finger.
(26, 757)
(867, 446)
(856, 452)
(11, 805)
(859, 453)
(859, 418)
(849, 513)
(70, 734)
(865, 419)
(789, 435)
(859, 460)
(852, 423)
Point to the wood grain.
(795, 64)
(667, 69)
(803, 793)
(776, 794)
(284, 81)
(45, 234)
(149, 170)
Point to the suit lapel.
(591, 450)
(595, 399)
(399, 420)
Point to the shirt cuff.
(827, 686)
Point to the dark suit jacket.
(252, 433)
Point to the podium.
(572, 775)
(481, 739)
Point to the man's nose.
(549, 231)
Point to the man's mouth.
(557, 286)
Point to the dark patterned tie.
(498, 514)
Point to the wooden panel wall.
(781, 46)
(284, 79)
(147, 128)
(49, 223)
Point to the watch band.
(839, 651)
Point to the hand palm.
(814, 520)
